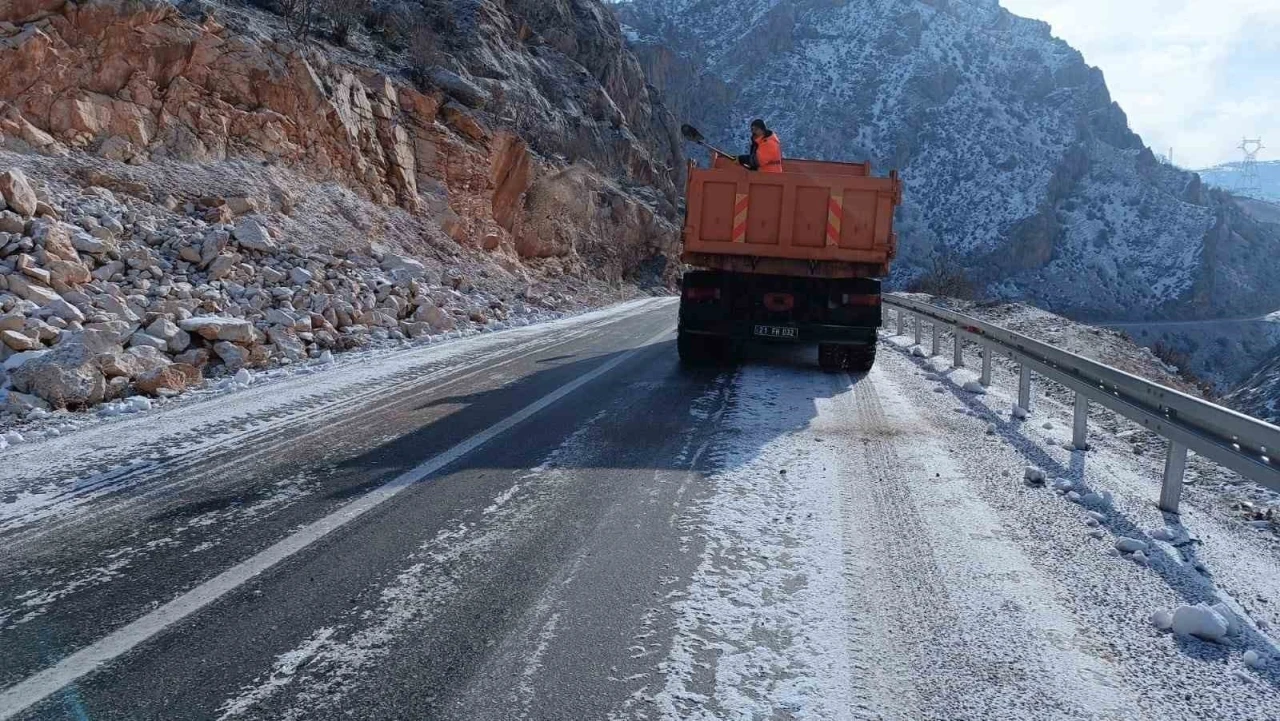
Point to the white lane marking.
(40, 686)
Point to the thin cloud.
(1193, 75)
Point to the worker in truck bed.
(766, 151)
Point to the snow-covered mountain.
(1017, 163)
(1230, 176)
(1259, 396)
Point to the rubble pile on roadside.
(104, 297)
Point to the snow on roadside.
(1215, 558)
(963, 601)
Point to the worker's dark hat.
(758, 123)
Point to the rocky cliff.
(498, 112)
(1017, 164)
(199, 183)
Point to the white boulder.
(1162, 620)
(1124, 544)
(404, 265)
(1199, 621)
(218, 328)
(250, 234)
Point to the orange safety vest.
(769, 153)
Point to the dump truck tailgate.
(816, 215)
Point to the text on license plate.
(775, 331)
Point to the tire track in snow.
(760, 629)
(882, 605)
(958, 610)
(102, 565)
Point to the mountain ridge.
(1228, 176)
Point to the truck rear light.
(700, 294)
(779, 302)
(863, 301)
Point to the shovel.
(691, 134)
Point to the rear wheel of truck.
(832, 358)
(862, 359)
(697, 350)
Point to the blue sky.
(1194, 75)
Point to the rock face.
(534, 87)
(1017, 164)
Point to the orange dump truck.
(790, 257)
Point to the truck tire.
(832, 358)
(695, 350)
(862, 359)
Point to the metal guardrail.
(1243, 444)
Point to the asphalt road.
(561, 523)
(589, 536)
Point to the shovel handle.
(720, 152)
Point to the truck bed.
(817, 218)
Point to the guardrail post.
(1175, 464)
(916, 321)
(986, 365)
(1080, 433)
(957, 356)
(902, 320)
(1024, 387)
(937, 339)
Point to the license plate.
(775, 331)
